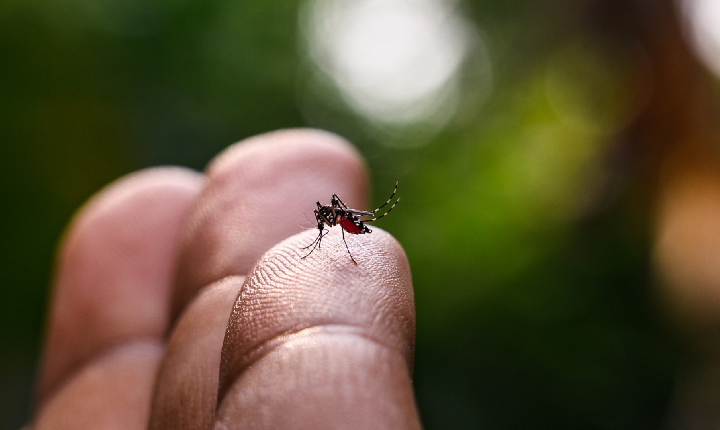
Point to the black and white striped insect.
(337, 213)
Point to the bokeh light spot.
(394, 62)
(703, 18)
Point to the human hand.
(150, 270)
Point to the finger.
(186, 388)
(322, 342)
(111, 392)
(114, 270)
(260, 192)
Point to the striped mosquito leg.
(388, 200)
(391, 208)
(335, 197)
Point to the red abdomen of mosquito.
(350, 226)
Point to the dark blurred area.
(557, 163)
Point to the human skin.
(172, 287)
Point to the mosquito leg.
(377, 218)
(315, 242)
(336, 198)
(320, 228)
(388, 200)
(311, 251)
(325, 232)
(348, 249)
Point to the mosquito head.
(324, 215)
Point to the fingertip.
(285, 294)
(341, 334)
(310, 144)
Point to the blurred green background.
(523, 217)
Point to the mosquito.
(337, 213)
